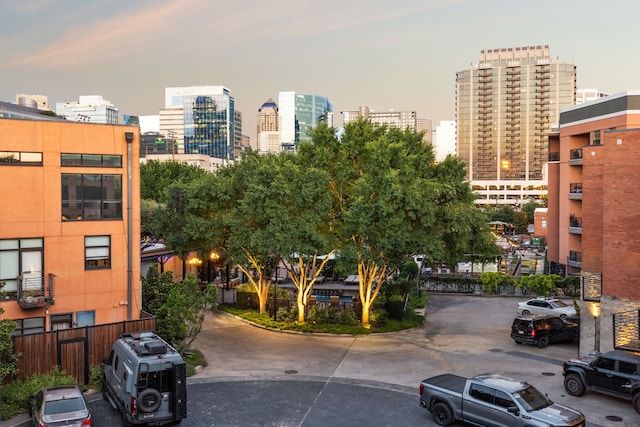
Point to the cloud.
(103, 40)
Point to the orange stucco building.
(594, 232)
(69, 223)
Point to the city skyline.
(400, 56)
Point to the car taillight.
(134, 410)
(421, 388)
(87, 422)
(533, 333)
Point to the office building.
(506, 104)
(594, 198)
(70, 225)
(41, 102)
(203, 120)
(268, 131)
(398, 119)
(91, 108)
(444, 142)
(298, 114)
(586, 95)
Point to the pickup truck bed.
(448, 382)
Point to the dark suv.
(616, 373)
(543, 329)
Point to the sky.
(401, 55)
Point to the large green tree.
(391, 200)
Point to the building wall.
(32, 209)
(606, 135)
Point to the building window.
(91, 197)
(544, 223)
(28, 326)
(21, 258)
(61, 321)
(97, 252)
(86, 318)
(596, 137)
(20, 158)
(91, 160)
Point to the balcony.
(574, 259)
(575, 157)
(575, 225)
(575, 191)
(35, 292)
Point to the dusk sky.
(400, 55)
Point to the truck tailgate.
(447, 382)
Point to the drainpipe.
(129, 137)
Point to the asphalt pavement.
(263, 377)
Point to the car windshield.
(531, 399)
(62, 406)
(558, 304)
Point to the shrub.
(95, 377)
(15, 396)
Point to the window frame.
(17, 156)
(91, 160)
(90, 260)
(95, 195)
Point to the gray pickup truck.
(493, 400)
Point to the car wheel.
(574, 385)
(543, 341)
(526, 312)
(563, 317)
(636, 402)
(149, 400)
(442, 414)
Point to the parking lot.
(261, 377)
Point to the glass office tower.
(209, 122)
(300, 113)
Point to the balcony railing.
(575, 156)
(575, 225)
(554, 157)
(574, 259)
(34, 292)
(575, 191)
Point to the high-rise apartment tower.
(506, 104)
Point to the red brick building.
(594, 204)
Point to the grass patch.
(193, 358)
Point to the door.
(603, 374)
(32, 278)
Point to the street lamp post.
(275, 295)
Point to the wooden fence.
(73, 350)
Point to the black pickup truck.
(493, 400)
(615, 373)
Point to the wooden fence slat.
(39, 352)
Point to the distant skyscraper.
(505, 107)
(300, 113)
(203, 120)
(91, 108)
(391, 118)
(445, 140)
(268, 132)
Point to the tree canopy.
(374, 196)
